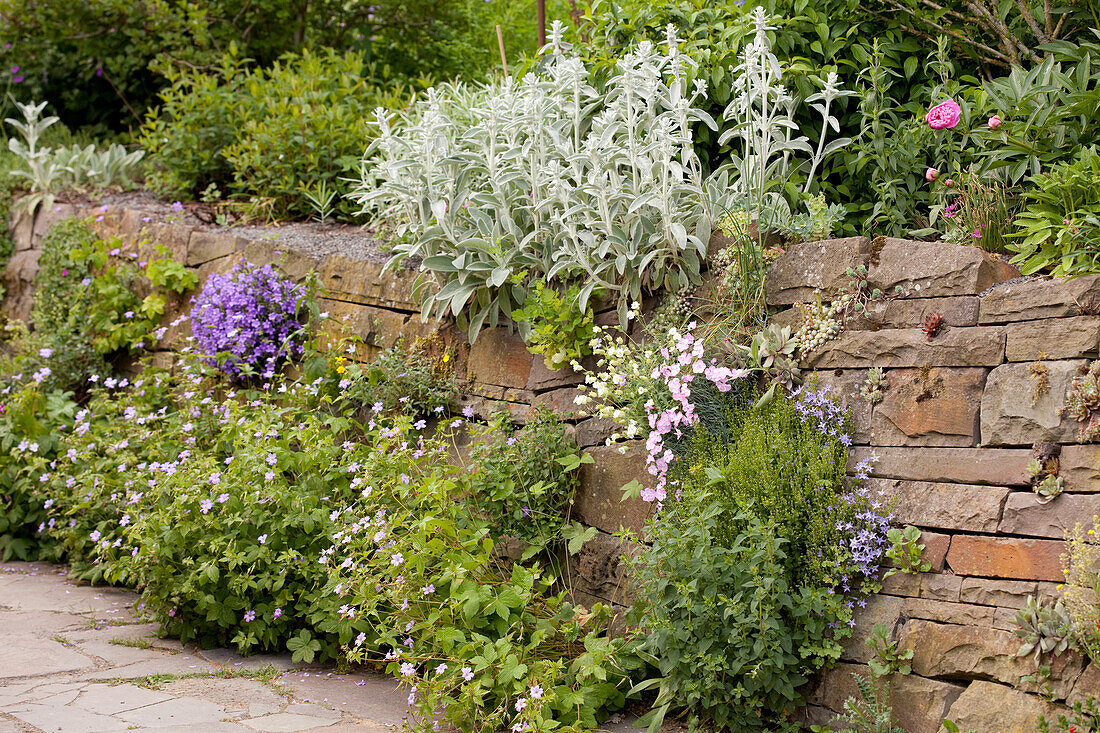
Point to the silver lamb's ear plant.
(766, 139)
(50, 170)
(547, 179)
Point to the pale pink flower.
(931, 174)
(995, 122)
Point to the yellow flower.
(446, 358)
(340, 369)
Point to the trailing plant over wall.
(247, 322)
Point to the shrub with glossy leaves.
(246, 321)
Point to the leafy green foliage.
(1060, 221)
(525, 483)
(905, 552)
(871, 711)
(273, 133)
(555, 327)
(87, 308)
(888, 658)
(730, 634)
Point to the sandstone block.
(929, 407)
(930, 269)
(998, 557)
(986, 707)
(600, 571)
(791, 317)
(956, 651)
(1002, 467)
(1079, 465)
(1015, 411)
(599, 501)
(290, 262)
(205, 246)
(21, 227)
(940, 586)
(946, 612)
(172, 237)
(919, 704)
(902, 584)
(809, 266)
(542, 377)
(1005, 593)
(43, 222)
(501, 358)
(957, 311)
(879, 610)
(1087, 685)
(561, 401)
(936, 546)
(970, 507)
(844, 384)
(908, 347)
(1041, 298)
(1025, 515)
(1054, 338)
(18, 281)
(595, 431)
(366, 282)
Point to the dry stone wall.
(953, 436)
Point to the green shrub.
(755, 568)
(1059, 226)
(553, 326)
(87, 307)
(273, 134)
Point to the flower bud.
(995, 122)
(931, 174)
(949, 182)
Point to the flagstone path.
(78, 659)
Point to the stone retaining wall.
(953, 435)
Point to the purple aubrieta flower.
(247, 318)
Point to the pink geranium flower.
(943, 115)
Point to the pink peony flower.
(949, 182)
(931, 174)
(943, 115)
(995, 122)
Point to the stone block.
(1000, 557)
(21, 227)
(43, 222)
(499, 357)
(969, 652)
(368, 283)
(205, 246)
(1041, 298)
(791, 317)
(1003, 593)
(1054, 338)
(908, 347)
(18, 281)
(173, 237)
(561, 401)
(986, 707)
(947, 612)
(902, 584)
(599, 501)
(542, 377)
(844, 384)
(940, 586)
(919, 704)
(879, 610)
(930, 407)
(809, 266)
(931, 269)
(600, 571)
(1079, 465)
(997, 466)
(1025, 515)
(289, 262)
(1016, 411)
(969, 507)
(595, 431)
(1087, 685)
(957, 311)
(936, 546)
